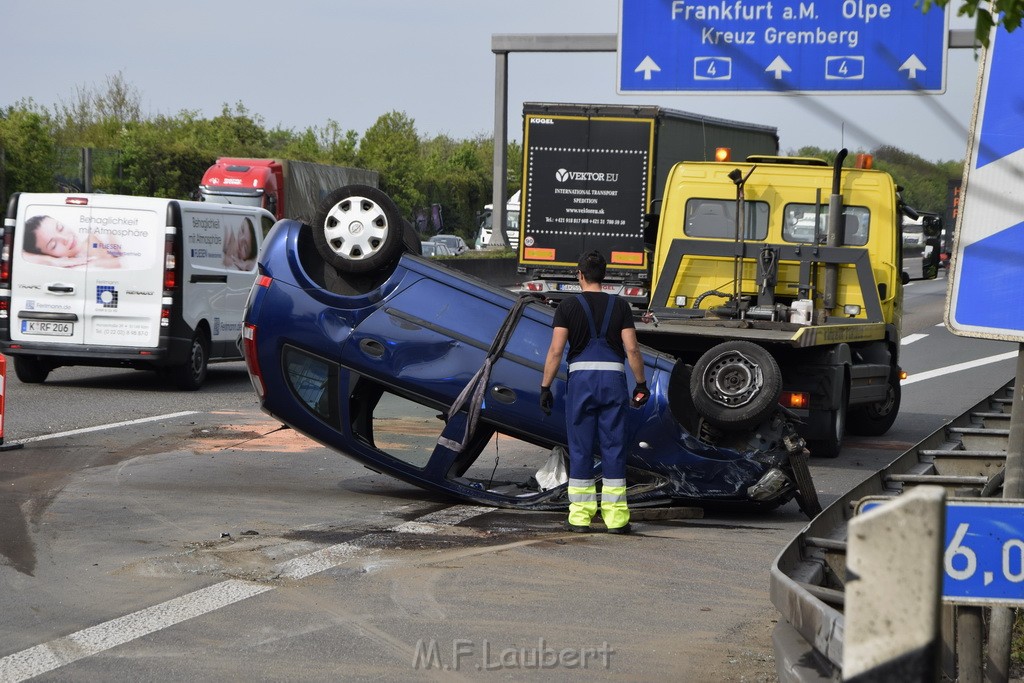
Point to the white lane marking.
(86, 430)
(911, 338)
(44, 658)
(939, 372)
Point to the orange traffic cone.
(3, 391)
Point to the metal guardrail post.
(1000, 632)
(892, 625)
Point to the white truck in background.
(483, 238)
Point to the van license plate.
(47, 329)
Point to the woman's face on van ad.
(53, 239)
(243, 246)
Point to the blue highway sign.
(983, 561)
(988, 254)
(781, 46)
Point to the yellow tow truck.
(779, 281)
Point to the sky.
(302, 63)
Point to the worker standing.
(602, 338)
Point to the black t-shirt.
(571, 316)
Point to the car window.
(800, 224)
(314, 382)
(717, 218)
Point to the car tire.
(832, 444)
(191, 374)
(31, 370)
(735, 385)
(358, 229)
(876, 418)
(806, 494)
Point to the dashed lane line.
(968, 365)
(98, 428)
(52, 655)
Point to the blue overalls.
(597, 401)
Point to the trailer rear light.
(252, 364)
(795, 399)
(723, 154)
(633, 291)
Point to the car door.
(48, 282)
(125, 269)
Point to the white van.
(109, 280)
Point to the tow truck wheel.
(875, 419)
(358, 229)
(31, 370)
(735, 385)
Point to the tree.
(1006, 12)
(27, 150)
(392, 147)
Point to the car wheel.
(31, 370)
(735, 385)
(192, 373)
(806, 494)
(831, 445)
(875, 419)
(358, 229)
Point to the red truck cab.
(251, 182)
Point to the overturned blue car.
(432, 376)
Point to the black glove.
(547, 400)
(640, 395)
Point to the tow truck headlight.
(851, 310)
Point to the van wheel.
(31, 370)
(358, 229)
(191, 375)
(875, 419)
(735, 385)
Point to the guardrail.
(966, 457)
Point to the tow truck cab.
(798, 257)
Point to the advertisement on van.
(77, 236)
(221, 241)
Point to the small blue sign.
(781, 46)
(983, 560)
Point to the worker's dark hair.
(593, 266)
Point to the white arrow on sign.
(913, 65)
(778, 65)
(647, 66)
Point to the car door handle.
(503, 394)
(61, 289)
(372, 348)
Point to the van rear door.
(88, 270)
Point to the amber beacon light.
(723, 154)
